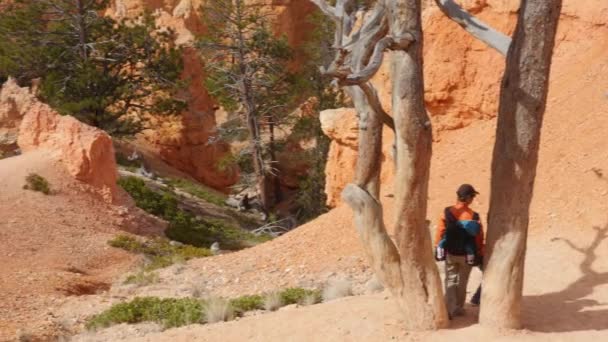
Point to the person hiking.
(459, 241)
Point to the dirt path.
(566, 299)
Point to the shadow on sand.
(570, 309)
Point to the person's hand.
(439, 253)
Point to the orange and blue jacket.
(461, 211)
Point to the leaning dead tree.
(520, 115)
(363, 35)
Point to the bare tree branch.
(480, 30)
(328, 10)
(377, 58)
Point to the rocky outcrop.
(86, 152)
(340, 125)
(14, 102)
(184, 141)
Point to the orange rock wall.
(86, 152)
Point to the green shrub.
(198, 191)
(159, 204)
(142, 278)
(297, 295)
(35, 182)
(127, 243)
(247, 303)
(170, 312)
(185, 227)
(160, 252)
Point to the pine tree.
(108, 74)
(311, 198)
(247, 68)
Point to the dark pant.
(457, 273)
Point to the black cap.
(466, 190)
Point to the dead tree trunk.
(408, 271)
(413, 160)
(520, 116)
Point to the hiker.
(459, 241)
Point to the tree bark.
(408, 269)
(276, 181)
(520, 116)
(425, 307)
(263, 184)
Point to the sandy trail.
(566, 299)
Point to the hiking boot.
(456, 312)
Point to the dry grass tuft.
(337, 288)
(218, 310)
(273, 301)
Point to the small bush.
(296, 295)
(172, 312)
(35, 182)
(162, 205)
(218, 310)
(247, 303)
(169, 312)
(198, 191)
(337, 288)
(142, 278)
(159, 252)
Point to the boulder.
(14, 102)
(86, 152)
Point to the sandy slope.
(51, 246)
(566, 299)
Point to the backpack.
(456, 238)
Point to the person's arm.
(440, 233)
